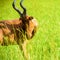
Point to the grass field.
(45, 45)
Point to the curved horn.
(24, 12)
(13, 4)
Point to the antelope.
(12, 28)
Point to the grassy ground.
(46, 43)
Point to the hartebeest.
(12, 28)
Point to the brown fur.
(10, 27)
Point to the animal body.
(12, 28)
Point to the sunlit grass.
(45, 45)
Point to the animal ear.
(30, 18)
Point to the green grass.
(46, 43)
(10, 53)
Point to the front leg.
(27, 57)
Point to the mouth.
(31, 35)
(28, 36)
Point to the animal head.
(29, 22)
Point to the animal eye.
(30, 18)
